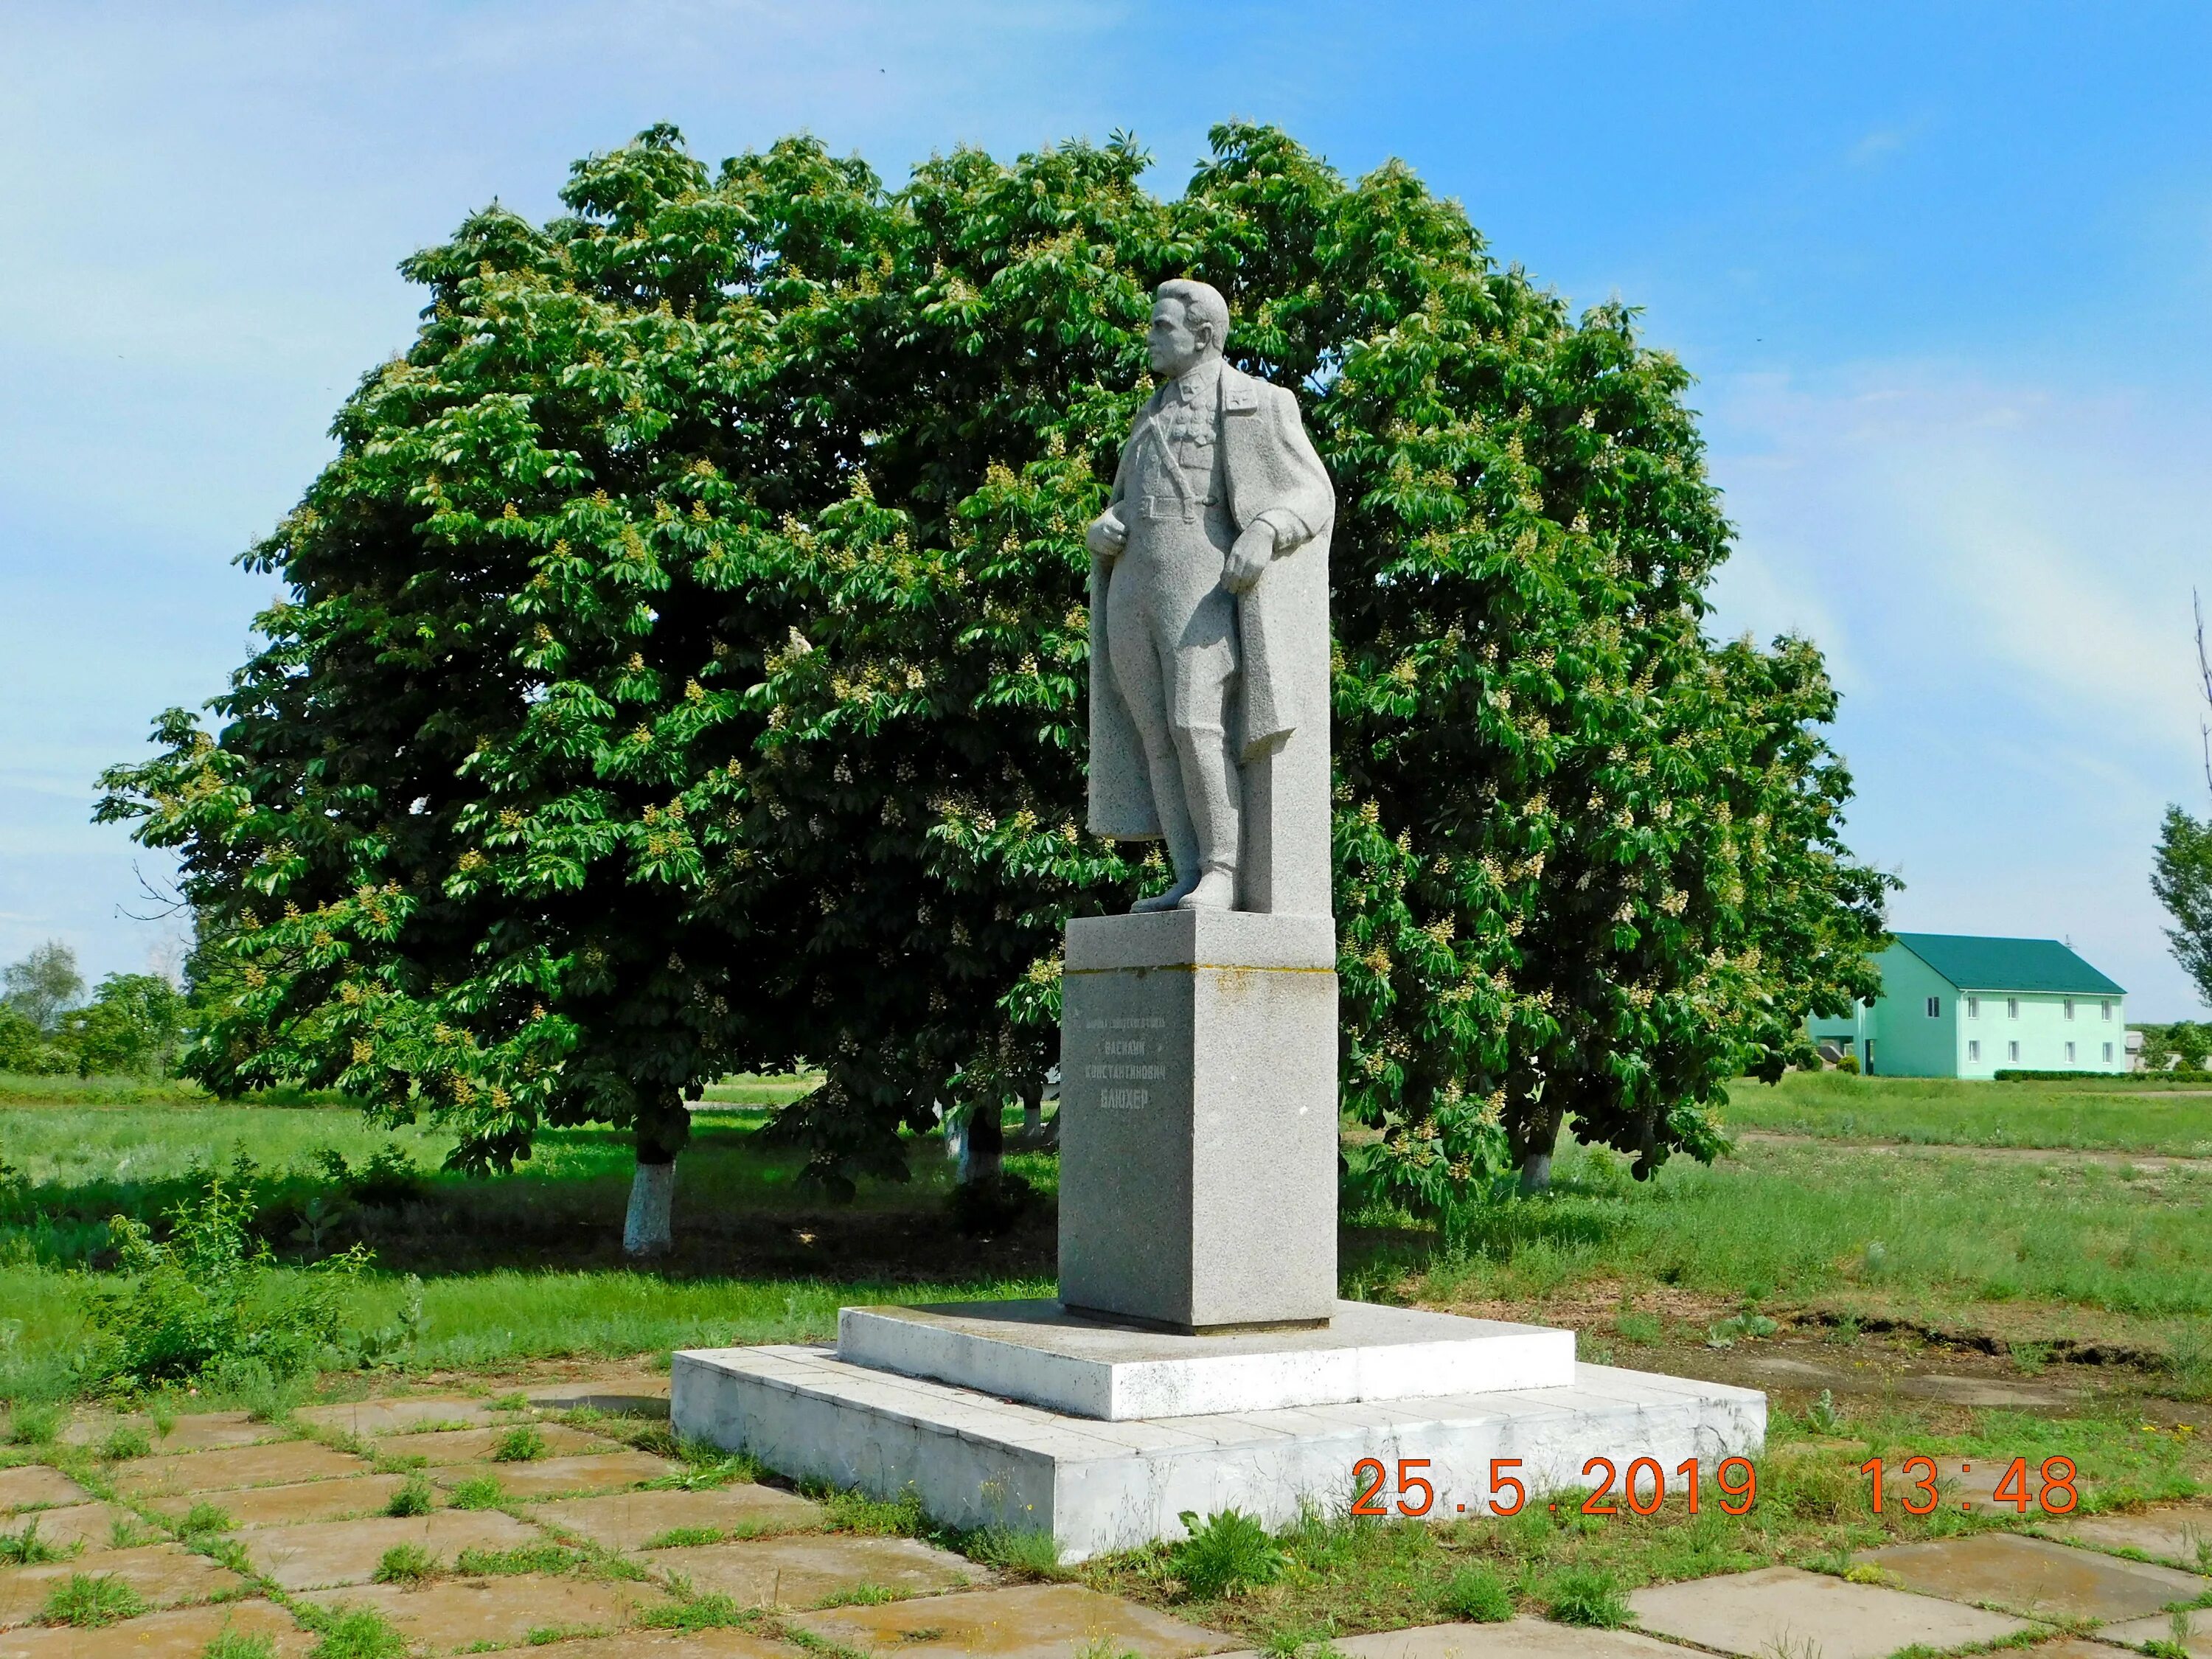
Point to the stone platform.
(1036, 1352)
(1097, 1485)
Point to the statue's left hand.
(1249, 560)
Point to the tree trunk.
(982, 1148)
(1033, 1112)
(663, 1127)
(1532, 1144)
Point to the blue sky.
(1945, 273)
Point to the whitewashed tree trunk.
(645, 1229)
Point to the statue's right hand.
(1107, 536)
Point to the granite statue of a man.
(1209, 630)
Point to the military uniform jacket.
(1268, 470)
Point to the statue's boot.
(1178, 895)
(1216, 890)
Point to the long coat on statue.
(1270, 469)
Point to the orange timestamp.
(1642, 1487)
(2054, 1493)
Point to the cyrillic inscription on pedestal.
(1198, 1119)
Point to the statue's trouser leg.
(1132, 644)
(1198, 711)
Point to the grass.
(414, 1497)
(240, 1644)
(204, 1520)
(478, 1491)
(406, 1563)
(524, 1444)
(529, 1557)
(353, 1632)
(91, 1602)
(25, 1548)
(2173, 1117)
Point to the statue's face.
(1175, 350)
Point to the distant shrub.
(1228, 1551)
(1848, 1063)
(209, 1296)
(388, 1180)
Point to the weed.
(34, 1423)
(26, 1548)
(1726, 1333)
(414, 1497)
(354, 1632)
(522, 1443)
(516, 1402)
(2029, 1358)
(544, 1636)
(125, 1442)
(862, 1596)
(406, 1563)
(1585, 1596)
(857, 1512)
(240, 1644)
(529, 1558)
(1644, 1328)
(1477, 1595)
(210, 1296)
(714, 1612)
(1824, 1416)
(203, 1520)
(1021, 1555)
(1228, 1551)
(387, 1179)
(478, 1491)
(676, 1538)
(90, 1601)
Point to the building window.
(2012, 1051)
(2012, 1011)
(2108, 1054)
(1974, 1048)
(1973, 1007)
(1935, 1007)
(2069, 1053)
(2105, 1011)
(2070, 1007)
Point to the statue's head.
(1190, 321)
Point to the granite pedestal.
(1198, 1119)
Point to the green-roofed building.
(1955, 1004)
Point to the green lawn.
(2018, 1249)
(2108, 1115)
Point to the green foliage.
(414, 1497)
(1588, 1596)
(680, 669)
(133, 1024)
(44, 986)
(547, 1557)
(353, 1632)
(123, 1441)
(478, 1491)
(1023, 1556)
(2181, 877)
(91, 1602)
(713, 1611)
(204, 1519)
(1228, 1551)
(522, 1443)
(1477, 1595)
(25, 1548)
(27, 1050)
(845, 1510)
(240, 1644)
(209, 1298)
(386, 1179)
(405, 1564)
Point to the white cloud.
(2001, 574)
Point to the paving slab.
(806, 1569)
(87, 1526)
(726, 1642)
(164, 1575)
(1030, 1621)
(1782, 1610)
(34, 1485)
(281, 1464)
(182, 1634)
(2197, 1645)
(553, 1477)
(451, 1614)
(1519, 1639)
(444, 1446)
(320, 1554)
(2036, 1577)
(194, 1431)
(401, 1416)
(284, 1506)
(625, 1397)
(632, 1520)
(2182, 1537)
